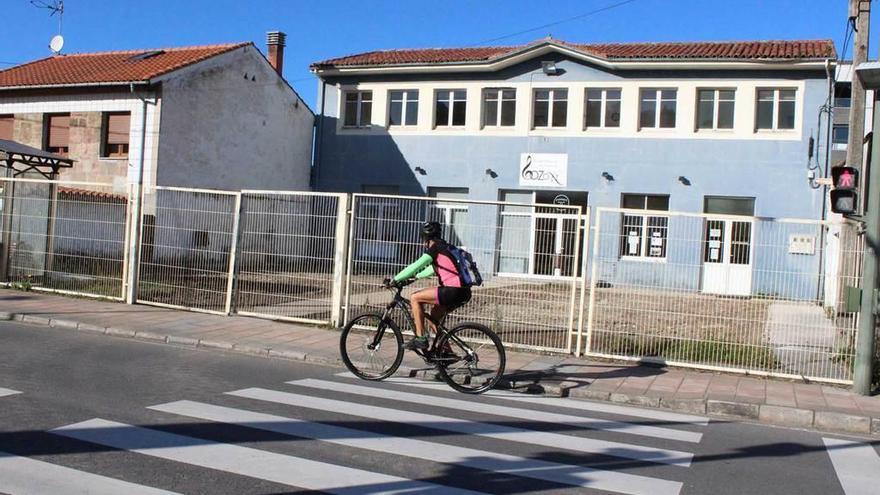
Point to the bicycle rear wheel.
(371, 348)
(477, 358)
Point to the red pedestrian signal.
(844, 196)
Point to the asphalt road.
(92, 414)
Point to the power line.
(556, 23)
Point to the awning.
(22, 158)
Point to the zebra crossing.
(857, 465)
(8, 391)
(504, 420)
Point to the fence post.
(584, 266)
(350, 261)
(50, 229)
(594, 272)
(340, 265)
(135, 205)
(574, 267)
(233, 253)
(7, 229)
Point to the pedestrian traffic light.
(844, 195)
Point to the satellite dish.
(56, 44)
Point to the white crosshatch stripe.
(488, 430)
(635, 412)
(23, 476)
(450, 454)
(856, 464)
(7, 391)
(268, 466)
(508, 411)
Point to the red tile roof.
(108, 67)
(726, 50)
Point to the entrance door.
(555, 233)
(728, 247)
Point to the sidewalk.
(806, 405)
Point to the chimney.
(275, 41)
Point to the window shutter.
(6, 122)
(118, 125)
(59, 127)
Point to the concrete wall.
(233, 123)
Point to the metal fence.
(734, 293)
(529, 257)
(291, 258)
(187, 247)
(67, 237)
(722, 292)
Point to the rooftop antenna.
(54, 7)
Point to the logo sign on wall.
(543, 169)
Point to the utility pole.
(859, 16)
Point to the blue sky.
(319, 29)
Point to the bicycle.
(470, 357)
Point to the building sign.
(543, 169)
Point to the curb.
(829, 421)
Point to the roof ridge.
(710, 42)
(143, 50)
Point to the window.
(657, 108)
(379, 218)
(551, 108)
(644, 235)
(358, 108)
(450, 214)
(715, 108)
(602, 108)
(404, 108)
(775, 109)
(57, 134)
(842, 94)
(499, 107)
(451, 108)
(114, 135)
(6, 122)
(840, 134)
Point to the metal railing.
(720, 292)
(187, 248)
(529, 256)
(67, 237)
(291, 258)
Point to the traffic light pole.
(864, 358)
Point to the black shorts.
(453, 297)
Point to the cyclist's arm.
(415, 269)
(427, 272)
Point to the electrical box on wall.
(802, 244)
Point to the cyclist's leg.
(424, 296)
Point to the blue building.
(723, 128)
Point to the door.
(728, 248)
(555, 234)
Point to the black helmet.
(430, 230)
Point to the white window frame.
(551, 99)
(658, 105)
(716, 104)
(776, 101)
(603, 124)
(404, 103)
(644, 239)
(500, 100)
(452, 104)
(359, 124)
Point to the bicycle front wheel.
(474, 358)
(371, 347)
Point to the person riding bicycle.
(449, 295)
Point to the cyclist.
(449, 295)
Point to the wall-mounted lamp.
(491, 173)
(420, 171)
(607, 176)
(684, 180)
(549, 68)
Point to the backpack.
(467, 267)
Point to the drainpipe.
(134, 233)
(829, 115)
